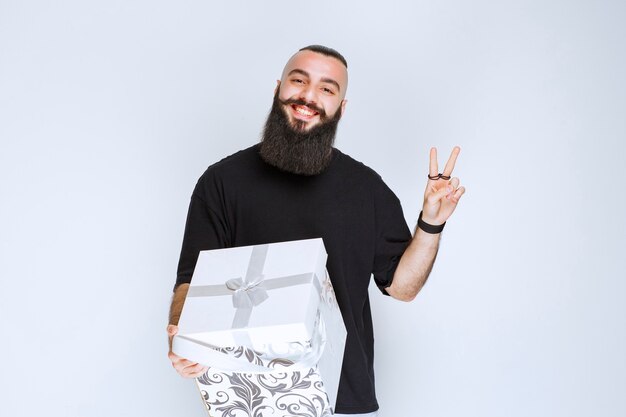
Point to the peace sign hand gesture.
(442, 193)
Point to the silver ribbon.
(251, 290)
(247, 294)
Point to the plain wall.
(111, 110)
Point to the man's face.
(312, 89)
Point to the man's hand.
(441, 196)
(183, 366)
(440, 200)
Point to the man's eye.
(297, 80)
(328, 90)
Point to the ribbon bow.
(251, 290)
(248, 292)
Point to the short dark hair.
(325, 50)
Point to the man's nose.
(308, 94)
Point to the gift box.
(265, 320)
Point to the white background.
(111, 110)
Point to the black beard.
(293, 149)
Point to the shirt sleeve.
(206, 227)
(392, 236)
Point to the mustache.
(301, 102)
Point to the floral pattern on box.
(284, 393)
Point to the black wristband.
(429, 228)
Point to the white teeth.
(304, 111)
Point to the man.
(295, 185)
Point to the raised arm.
(440, 200)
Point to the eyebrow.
(306, 74)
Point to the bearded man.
(295, 185)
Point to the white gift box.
(265, 320)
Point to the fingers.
(451, 161)
(193, 371)
(454, 182)
(439, 194)
(433, 168)
(456, 196)
(451, 192)
(186, 368)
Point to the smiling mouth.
(303, 112)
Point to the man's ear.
(343, 106)
(277, 86)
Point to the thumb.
(439, 194)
